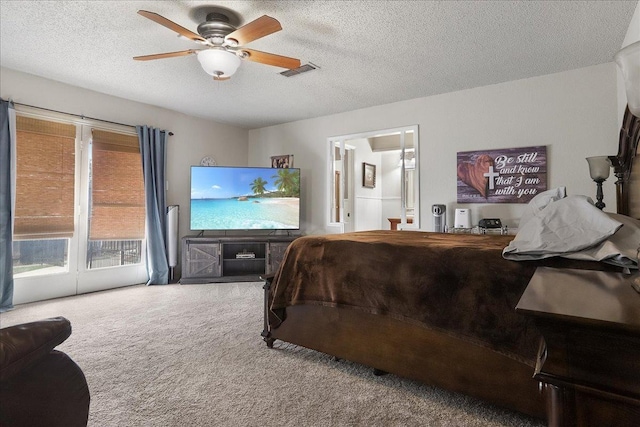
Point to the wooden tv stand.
(231, 258)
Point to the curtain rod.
(82, 116)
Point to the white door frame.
(342, 139)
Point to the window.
(117, 217)
(79, 215)
(45, 188)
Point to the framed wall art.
(509, 175)
(284, 161)
(368, 175)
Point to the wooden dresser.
(589, 360)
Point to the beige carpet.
(192, 356)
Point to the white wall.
(573, 113)
(193, 137)
(632, 36)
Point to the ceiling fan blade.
(172, 26)
(165, 55)
(271, 59)
(254, 30)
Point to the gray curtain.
(7, 153)
(152, 149)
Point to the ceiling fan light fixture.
(218, 62)
(223, 56)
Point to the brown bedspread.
(456, 283)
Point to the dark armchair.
(40, 386)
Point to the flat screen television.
(244, 198)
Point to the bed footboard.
(411, 351)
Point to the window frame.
(78, 278)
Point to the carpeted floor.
(193, 356)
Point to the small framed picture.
(284, 161)
(368, 175)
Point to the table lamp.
(599, 168)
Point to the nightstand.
(589, 358)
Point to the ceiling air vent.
(301, 69)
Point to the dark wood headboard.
(626, 167)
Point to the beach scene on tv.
(237, 198)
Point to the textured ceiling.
(369, 52)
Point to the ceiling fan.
(223, 43)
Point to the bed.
(437, 308)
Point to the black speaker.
(439, 218)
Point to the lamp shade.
(218, 62)
(599, 167)
(628, 60)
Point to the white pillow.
(541, 201)
(621, 249)
(567, 225)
